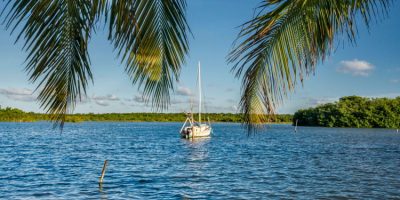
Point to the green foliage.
(16, 115)
(353, 111)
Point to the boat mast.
(199, 94)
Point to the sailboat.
(191, 128)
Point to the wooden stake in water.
(295, 128)
(103, 172)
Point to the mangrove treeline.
(17, 115)
(353, 111)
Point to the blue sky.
(371, 68)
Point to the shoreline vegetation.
(348, 112)
(352, 112)
(16, 115)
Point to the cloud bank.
(18, 94)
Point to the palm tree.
(284, 42)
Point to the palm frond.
(56, 35)
(286, 41)
(151, 38)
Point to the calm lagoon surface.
(150, 161)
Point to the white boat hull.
(196, 131)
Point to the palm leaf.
(286, 41)
(56, 35)
(150, 37)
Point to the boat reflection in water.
(197, 164)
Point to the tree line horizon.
(9, 114)
(348, 111)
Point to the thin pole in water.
(295, 128)
(103, 172)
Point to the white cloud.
(140, 99)
(18, 94)
(16, 91)
(395, 81)
(102, 103)
(184, 91)
(109, 97)
(113, 98)
(104, 100)
(23, 98)
(355, 67)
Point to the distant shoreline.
(17, 115)
(111, 121)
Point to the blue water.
(150, 161)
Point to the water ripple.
(150, 161)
